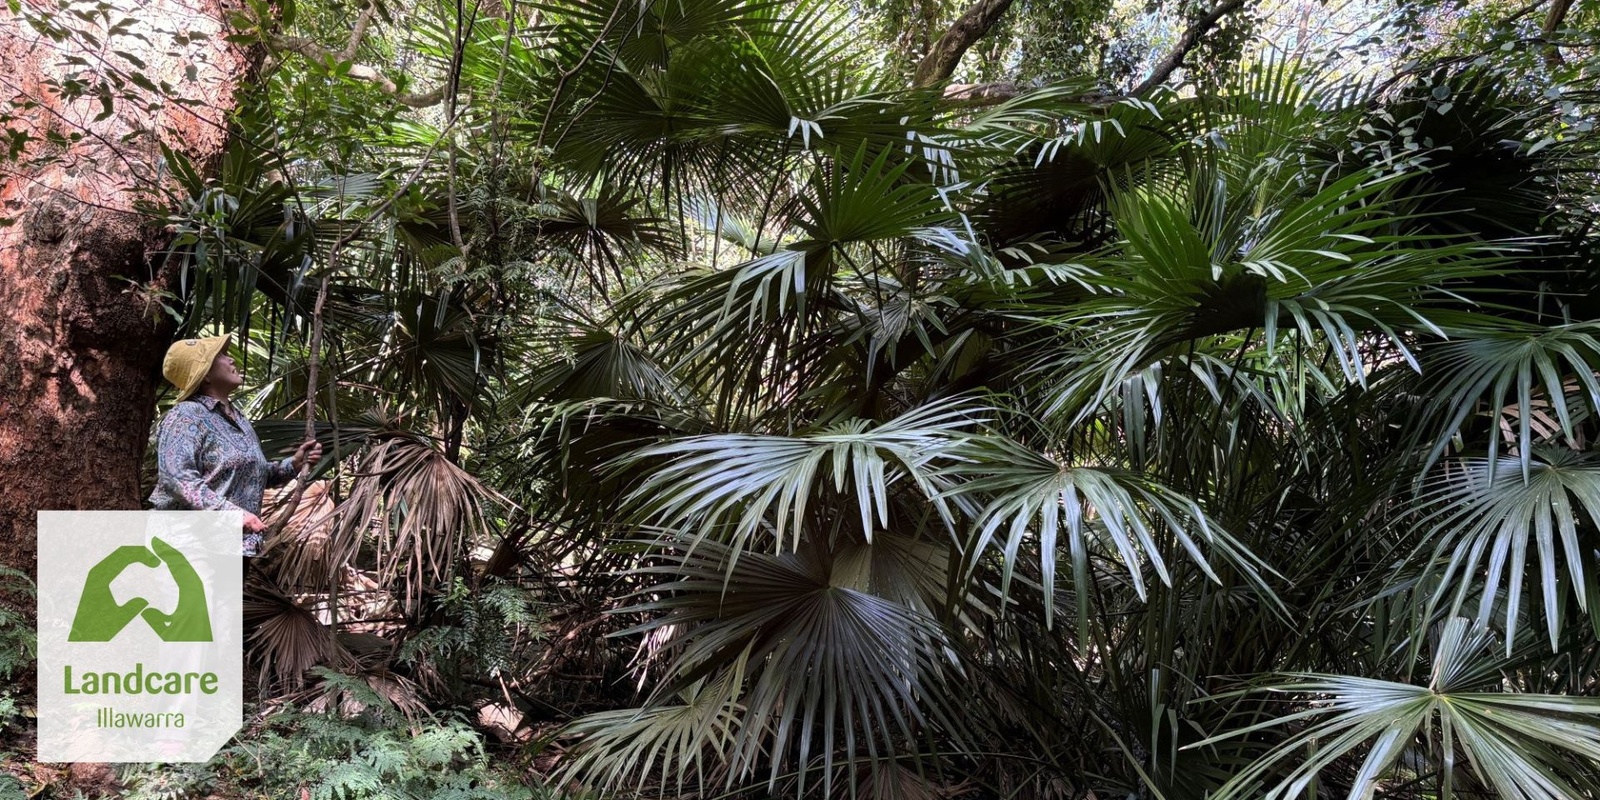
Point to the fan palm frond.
(691, 739)
(287, 639)
(863, 200)
(743, 488)
(1498, 365)
(1491, 512)
(1528, 747)
(1096, 508)
(602, 362)
(829, 670)
(1325, 266)
(421, 509)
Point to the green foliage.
(1486, 517)
(489, 632)
(1538, 747)
(1188, 387)
(377, 753)
(752, 425)
(18, 642)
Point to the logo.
(140, 635)
(100, 618)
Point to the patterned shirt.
(208, 458)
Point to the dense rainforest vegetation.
(820, 399)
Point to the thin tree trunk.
(1186, 42)
(1552, 23)
(83, 333)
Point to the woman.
(207, 453)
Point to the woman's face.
(224, 376)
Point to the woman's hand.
(310, 452)
(253, 523)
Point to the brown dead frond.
(1543, 419)
(503, 721)
(286, 637)
(893, 781)
(421, 508)
(365, 606)
(301, 545)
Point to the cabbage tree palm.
(1022, 443)
(1152, 447)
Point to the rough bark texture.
(981, 94)
(81, 339)
(941, 61)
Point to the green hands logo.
(100, 618)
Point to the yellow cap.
(188, 361)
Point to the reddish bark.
(81, 339)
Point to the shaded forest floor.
(370, 750)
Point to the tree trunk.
(82, 336)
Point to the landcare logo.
(100, 617)
(140, 654)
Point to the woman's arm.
(281, 472)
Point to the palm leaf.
(744, 487)
(1529, 747)
(688, 742)
(1030, 495)
(865, 200)
(422, 509)
(1498, 365)
(1319, 265)
(1487, 514)
(831, 670)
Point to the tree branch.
(988, 94)
(1191, 37)
(361, 72)
(981, 94)
(1552, 23)
(941, 61)
(359, 32)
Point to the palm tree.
(1234, 444)
(1024, 445)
